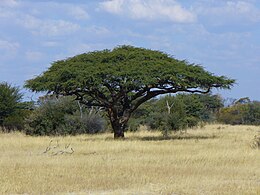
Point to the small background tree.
(12, 110)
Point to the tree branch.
(152, 94)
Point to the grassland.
(216, 159)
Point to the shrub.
(16, 121)
(253, 115)
(87, 123)
(61, 117)
(177, 119)
(241, 113)
(173, 113)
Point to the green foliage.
(61, 117)
(211, 104)
(186, 111)
(12, 110)
(246, 113)
(253, 113)
(177, 119)
(16, 121)
(10, 98)
(87, 123)
(129, 67)
(232, 115)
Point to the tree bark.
(118, 122)
(119, 134)
(118, 129)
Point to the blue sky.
(221, 35)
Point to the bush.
(16, 121)
(241, 113)
(89, 123)
(177, 119)
(174, 113)
(193, 122)
(133, 124)
(253, 115)
(61, 117)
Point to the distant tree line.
(51, 115)
(241, 112)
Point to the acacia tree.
(121, 79)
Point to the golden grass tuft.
(217, 159)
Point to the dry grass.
(214, 160)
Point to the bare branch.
(57, 150)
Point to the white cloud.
(113, 6)
(8, 3)
(150, 9)
(78, 12)
(8, 47)
(6, 13)
(242, 11)
(71, 10)
(48, 27)
(34, 55)
(98, 30)
(50, 44)
(8, 50)
(7, 8)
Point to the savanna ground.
(217, 159)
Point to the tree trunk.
(119, 134)
(119, 122)
(118, 129)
